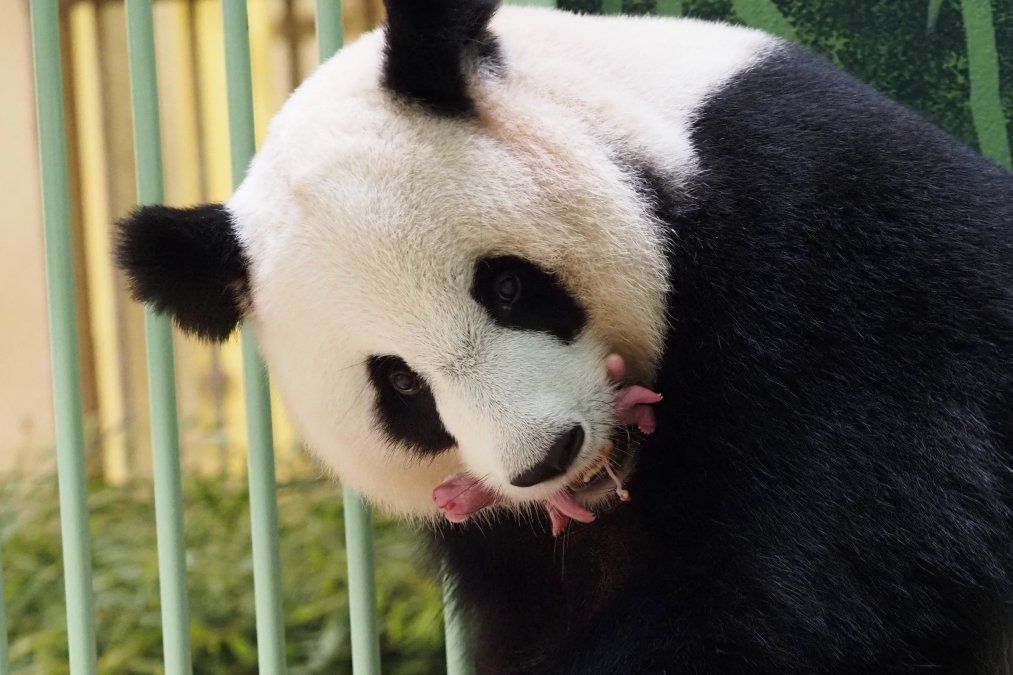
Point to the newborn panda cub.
(688, 352)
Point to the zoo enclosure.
(989, 123)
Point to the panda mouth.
(462, 495)
(600, 483)
(604, 471)
(613, 465)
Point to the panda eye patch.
(405, 407)
(521, 295)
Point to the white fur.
(363, 218)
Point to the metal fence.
(261, 470)
(70, 448)
(161, 378)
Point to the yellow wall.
(191, 75)
(25, 403)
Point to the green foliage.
(885, 43)
(220, 581)
(1002, 11)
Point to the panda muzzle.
(462, 494)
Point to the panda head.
(436, 254)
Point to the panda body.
(817, 281)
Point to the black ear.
(432, 46)
(187, 263)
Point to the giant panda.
(701, 368)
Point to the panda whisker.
(360, 362)
(354, 401)
(561, 543)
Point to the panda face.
(439, 244)
(515, 294)
(419, 325)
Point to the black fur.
(432, 47)
(829, 488)
(187, 263)
(543, 305)
(412, 422)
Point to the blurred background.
(950, 59)
(191, 78)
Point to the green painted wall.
(952, 60)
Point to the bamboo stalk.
(983, 70)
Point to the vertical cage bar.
(330, 29)
(263, 512)
(458, 656)
(63, 338)
(358, 520)
(5, 663)
(161, 377)
(361, 586)
(263, 500)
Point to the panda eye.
(405, 383)
(405, 408)
(519, 294)
(508, 289)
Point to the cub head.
(436, 256)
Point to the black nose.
(561, 454)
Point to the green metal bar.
(458, 656)
(668, 8)
(263, 512)
(330, 29)
(361, 586)
(5, 662)
(358, 521)
(63, 338)
(765, 15)
(161, 377)
(983, 69)
(263, 499)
